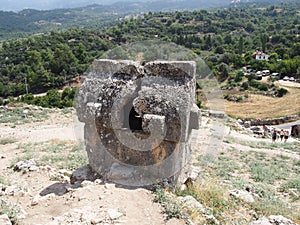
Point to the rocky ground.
(40, 150)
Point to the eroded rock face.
(138, 119)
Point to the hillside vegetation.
(225, 38)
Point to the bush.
(239, 98)
(254, 83)
(281, 92)
(27, 98)
(53, 98)
(239, 76)
(263, 87)
(198, 102)
(245, 85)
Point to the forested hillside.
(27, 22)
(93, 16)
(225, 38)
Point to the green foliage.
(60, 154)
(171, 207)
(45, 62)
(53, 98)
(211, 194)
(239, 76)
(245, 85)
(6, 141)
(281, 92)
(291, 184)
(268, 172)
(10, 210)
(263, 87)
(50, 61)
(17, 116)
(224, 71)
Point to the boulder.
(192, 203)
(273, 220)
(278, 219)
(4, 220)
(25, 166)
(243, 195)
(262, 221)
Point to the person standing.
(274, 135)
(281, 134)
(286, 135)
(266, 131)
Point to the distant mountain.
(17, 5)
(31, 21)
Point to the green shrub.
(6, 141)
(245, 85)
(254, 83)
(268, 172)
(239, 76)
(53, 98)
(291, 184)
(171, 207)
(263, 87)
(281, 92)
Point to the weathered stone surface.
(278, 219)
(217, 114)
(4, 220)
(273, 220)
(84, 173)
(25, 166)
(12, 190)
(243, 195)
(273, 121)
(262, 221)
(192, 203)
(114, 214)
(138, 118)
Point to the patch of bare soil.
(43, 194)
(40, 192)
(261, 107)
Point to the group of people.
(282, 134)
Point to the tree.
(263, 39)
(296, 50)
(219, 50)
(250, 27)
(239, 76)
(241, 45)
(208, 42)
(63, 59)
(224, 71)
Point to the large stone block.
(138, 119)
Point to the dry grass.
(260, 107)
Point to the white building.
(260, 56)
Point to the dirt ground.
(45, 200)
(261, 107)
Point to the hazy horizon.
(15, 5)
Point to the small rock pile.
(273, 220)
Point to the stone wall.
(271, 121)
